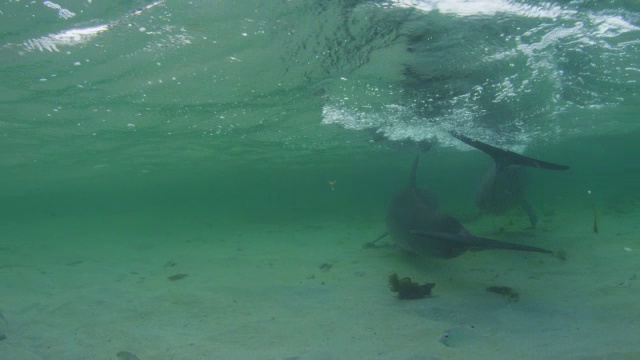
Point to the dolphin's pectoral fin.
(372, 244)
(533, 218)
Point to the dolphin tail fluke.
(479, 243)
(505, 157)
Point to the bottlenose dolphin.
(503, 184)
(415, 224)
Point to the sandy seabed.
(88, 287)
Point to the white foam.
(608, 25)
(65, 38)
(612, 26)
(62, 12)
(478, 7)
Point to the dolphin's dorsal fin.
(504, 158)
(414, 171)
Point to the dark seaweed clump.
(407, 289)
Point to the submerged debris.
(458, 336)
(325, 267)
(407, 289)
(505, 291)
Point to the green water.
(138, 92)
(225, 115)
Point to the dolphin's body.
(415, 224)
(503, 184)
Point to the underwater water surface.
(268, 136)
